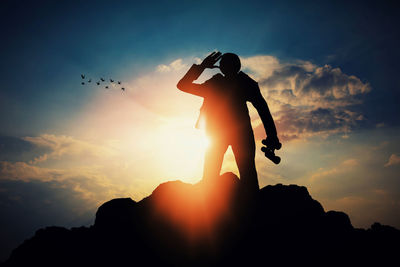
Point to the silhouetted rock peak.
(181, 224)
(119, 212)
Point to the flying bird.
(111, 80)
(102, 79)
(83, 76)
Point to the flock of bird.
(102, 80)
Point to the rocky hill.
(220, 224)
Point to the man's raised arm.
(186, 83)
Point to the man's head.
(229, 64)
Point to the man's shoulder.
(246, 78)
(248, 82)
(217, 77)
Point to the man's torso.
(225, 108)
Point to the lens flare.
(195, 210)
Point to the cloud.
(66, 145)
(342, 168)
(62, 193)
(260, 66)
(293, 122)
(89, 181)
(26, 172)
(308, 100)
(82, 166)
(176, 65)
(99, 169)
(305, 99)
(393, 160)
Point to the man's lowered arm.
(263, 111)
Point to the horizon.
(327, 71)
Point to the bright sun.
(155, 137)
(181, 150)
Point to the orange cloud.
(90, 182)
(26, 172)
(66, 145)
(393, 160)
(343, 168)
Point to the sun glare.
(196, 211)
(182, 150)
(155, 139)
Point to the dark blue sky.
(46, 45)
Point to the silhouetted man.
(227, 120)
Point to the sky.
(328, 70)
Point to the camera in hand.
(269, 150)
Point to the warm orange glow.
(196, 210)
(167, 147)
(181, 148)
(152, 141)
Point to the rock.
(204, 224)
(338, 222)
(116, 213)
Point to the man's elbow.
(180, 85)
